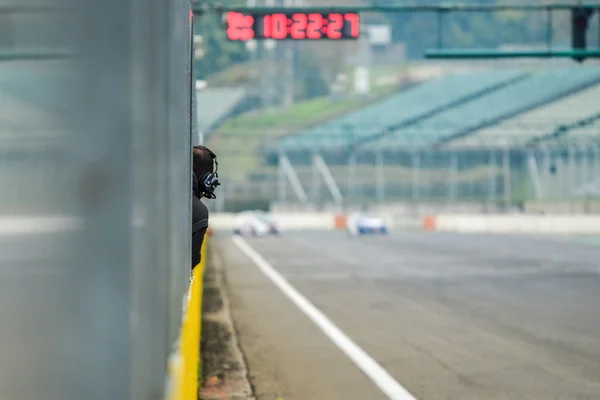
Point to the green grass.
(301, 115)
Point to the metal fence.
(484, 172)
(95, 185)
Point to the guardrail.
(185, 363)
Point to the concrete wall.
(582, 224)
(413, 210)
(292, 221)
(288, 221)
(517, 223)
(591, 206)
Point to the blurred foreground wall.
(94, 195)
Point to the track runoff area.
(417, 315)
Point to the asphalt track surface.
(448, 316)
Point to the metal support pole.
(321, 167)
(292, 177)
(316, 180)
(424, 176)
(351, 189)
(592, 149)
(493, 178)
(582, 166)
(546, 174)
(379, 164)
(453, 177)
(572, 169)
(597, 161)
(416, 176)
(507, 179)
(534, 175)
(281, 180)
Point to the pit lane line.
(378, 375)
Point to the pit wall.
(184, 372)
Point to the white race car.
(366, 224)
(255, 223)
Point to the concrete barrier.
(288, 221)
(514, 223)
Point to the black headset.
(209, 181)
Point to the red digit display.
(295, 26)
(315, 24)
(239, 26)
(279, 26)
(298, 28)
(335, 25)
(267, 27)
(353, 20)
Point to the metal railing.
(498, 171)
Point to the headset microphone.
(209, 181)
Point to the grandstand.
(476, 109)
(454, 129)
(537, 89)
(569, 116)
(570, 156)
(587, 130)
(584, 131)
(403, 109)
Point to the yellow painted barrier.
(184, 368)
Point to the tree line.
(418, 32)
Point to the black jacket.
(199, 223)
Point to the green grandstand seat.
(539, 122)
(538, 89)
(403, 107)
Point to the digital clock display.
(294, 26)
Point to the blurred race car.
(256, 223)
(366, 224)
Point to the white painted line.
(380, 377)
